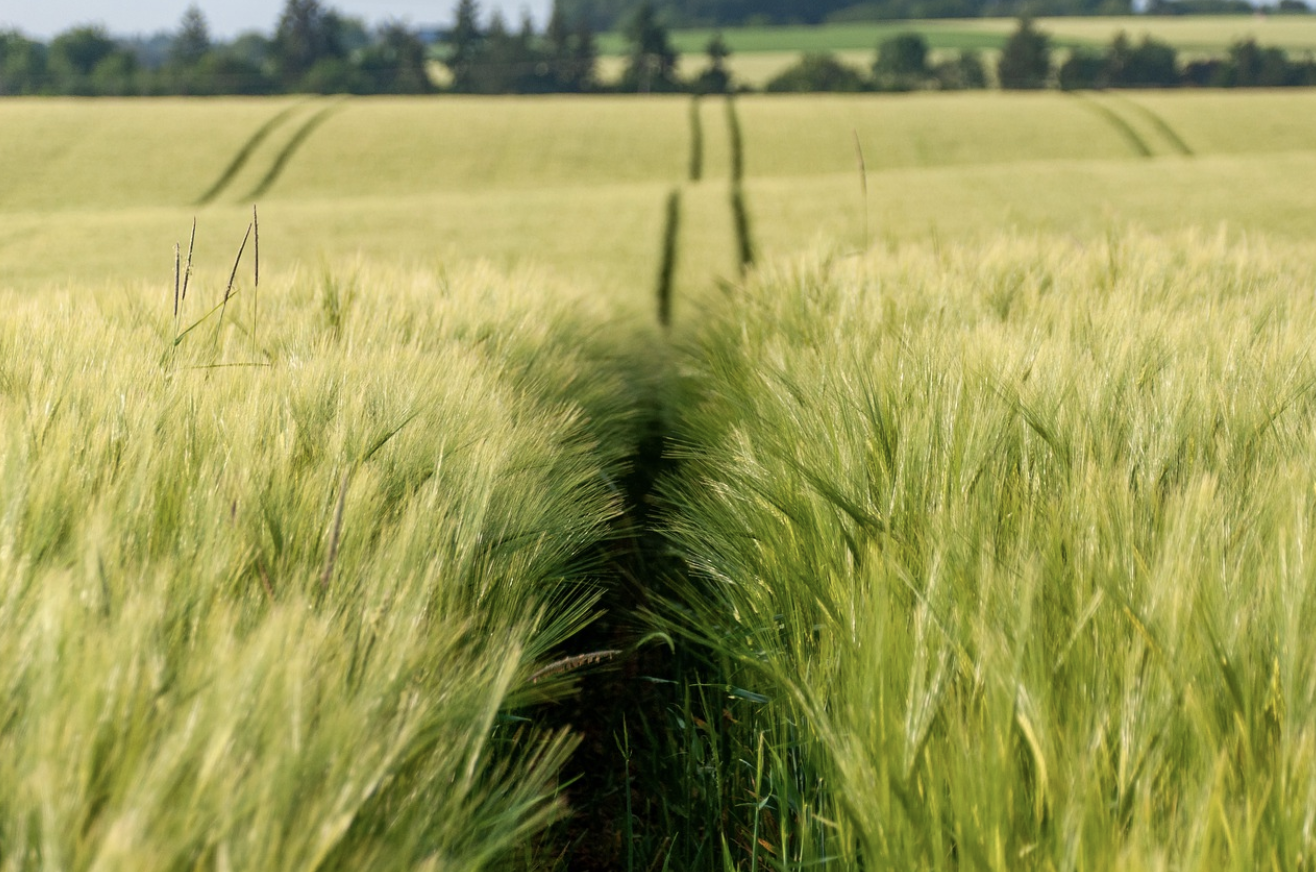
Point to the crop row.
(278, 574)
(1000, 555)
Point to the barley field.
(911, 481)
(1002, 550)
(114, 183)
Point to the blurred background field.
(99, 191)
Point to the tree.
(395, 63)
(584, 58)
(716, 78)
(963, 72)
(572, 53)
(115, 75)
(1082, 70)
(902, 62)
(22, 64)
(610, 14)
(817, 72)
(192, 41)
(1252, 66)
(1025, 61)
(1148, 64)
(307, 34)
(74, 57)
(76, 52)
(464, 45)
(652, 65)
(501, 63)
(229, 70)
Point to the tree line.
(492, 60)
(315, 49)
(1028, 60)
(611, 14)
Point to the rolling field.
(516, 181)
(959, 519)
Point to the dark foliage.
(715, 78)
(1153, 64)
(315, 49)
(498, 61)
(23, 65)
(1148, 64)
(817, 72)
(612, 14)
(652, 62)
(964, 72)
(1025, 61)
(902, 63)
(308, 35)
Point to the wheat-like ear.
(177, 267)
(187, 273)
(255, 285)
(566, 664)
(863, 184)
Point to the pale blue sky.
(44, 18)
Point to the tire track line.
(1163, 127)
(1121, 126)
(290, 148)
(244, 154)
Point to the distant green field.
(828, 37)
(1189, 33)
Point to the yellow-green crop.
(275, 587)
(1003, 551)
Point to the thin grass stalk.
(628, 829)
(178, 266)
(335, 532)
(863, 187)
(255, 285)
(187, 272)
(228, 290)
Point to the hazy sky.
(227, 18)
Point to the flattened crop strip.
(281, 160)
(1122, 127)
(1168, 133)
(667, 265)
(739, 211)
(244, 154)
